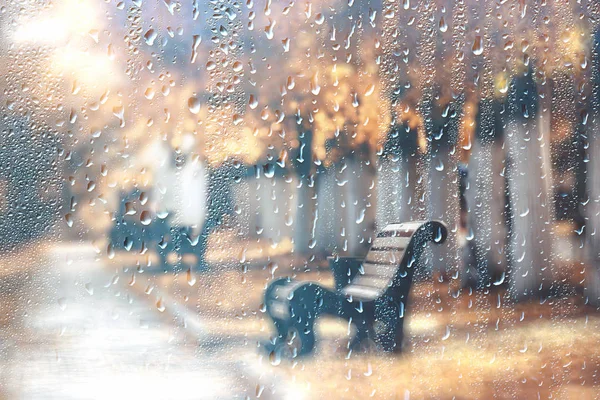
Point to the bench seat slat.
(362, 293)
(391, 242)
(375, 281)
(382, 270)
(384, 257)
(403, 229)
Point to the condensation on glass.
(299, 199)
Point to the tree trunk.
(326, 212)
(444, 205)
(396, 183)
(304, 221)
(486, 212)
(356, 221)
(592, 271)
(592, 208)
(530, 222)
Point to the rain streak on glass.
(300, 199)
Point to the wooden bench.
(371, 293)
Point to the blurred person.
(194, 196)
(180, 192)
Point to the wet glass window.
(299, 199)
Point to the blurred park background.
(200, 149)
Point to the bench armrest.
(344, 269)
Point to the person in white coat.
(180, 192)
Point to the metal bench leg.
(306, 306)
(364, 332)
(304, 342)
(390, 323)
(399, 336)
(295, 323)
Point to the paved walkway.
(82, 334)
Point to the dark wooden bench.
(371, 293)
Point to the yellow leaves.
(501, 83)
(409, 116)
(573, 46)
(422, 139)
(350, 109)
(246, 146)
(467, 129)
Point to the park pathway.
(79, 332)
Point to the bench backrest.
(391, 258)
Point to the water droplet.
(194, 105)
(128, 243)
(269, 29)
(361, 216)
(62, 303)
(129, 208)
(237, 119)
(259, 390)
(439, 166)
(477, 46)
(110, 251)
(191, 279)
(314, 84)
(447, 335)
(160, 306)
(195, 43)
(211, 65)
(269, 170)
(150, 37)
(149, 93)
(89, 288)
(237, 66)
(230, 14)
(145, 217)
(69, 219)
(162, 214)
(274, 358)
(76, 87)
(584, 117)
(443, 25)
(252, 102)
(286, 45)
(500, 280)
